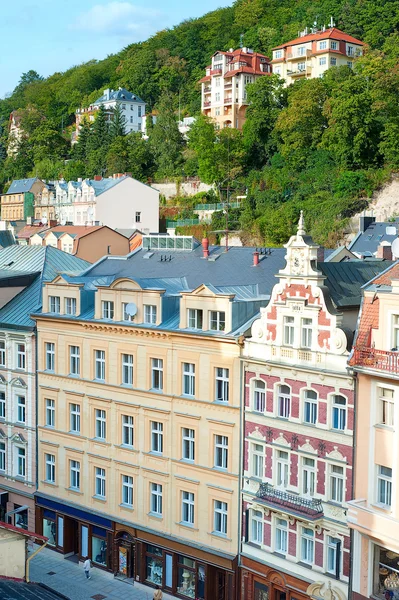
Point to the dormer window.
(126, 316)
(217, 320)
(334, 45)
(194, 318)
(150, 314)
(278, 54)
(54, 304)
(306, 333)
(289, 331)
(107, 309)
(70, 306)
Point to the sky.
(53, 35)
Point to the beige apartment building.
(374, 513)
(18, 202)
(311, 54)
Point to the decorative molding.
(319, 591)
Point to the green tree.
(98, 144)
(202, 140)
(80, 150)
(166, 141)
(118, 124)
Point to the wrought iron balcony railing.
(382, 360)
(311, 507)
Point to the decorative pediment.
(18, 438)
(336, 455)
(18, 382)
(125, 284)
(307, 447)
(208, 290)
(60, 280)
(282, 441)
(319, 591)
(258, 435)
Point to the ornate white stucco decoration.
(338, 341)
(336, 454)
(307, 447)
(258, 435)
(319, 591)
(282, 441)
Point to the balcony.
(371, 358)
(299, 72)
(216, 72)
(291, 503)
(298, 55)
(228, 100)
(207, 89)
(207, 103)
(228, 84)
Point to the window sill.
(187, 525)
(220, 469)
(385, 507)
(187, 461)
(50, 427)
(306, 565)
(156, 390)
(127, 506)
(384, 427)
(155, 515)
(51, 483)
(190, 396)
(100, 498)
(100, 441)
(223, 536)
(76, 433)
(222, 402)
(51, 371)
(98, 380)
(74, 491)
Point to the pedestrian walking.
(158, 593)
(86, 566)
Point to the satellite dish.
(395, 247)
(131, 309)
(44, 220)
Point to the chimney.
(364, 223)
(256, 258)
(52, 222)
(108, 249)
(97, 177)
(320, 254)
(80, 180)
(106, 94)
(205, 248)
(384, 251)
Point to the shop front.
(73, 531)
(17, 510)
(259, 582)
(181, 570)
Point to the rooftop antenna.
(331, 23)
(241, 40)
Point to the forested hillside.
(323, 145)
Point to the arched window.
(259, 403)
(310, 407)
(283, 401)
(339, 412)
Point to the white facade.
(132, 108)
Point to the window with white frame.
(259, 396)
(334, 45)
(350, 51)
(322, 45)
(74, 474)
(54, 304)
(337, 483)
(194, 318)
(281, 536)
(339, 412)
(386, 406)
(221, 451)
(2, 405)
(288, 331)
(307, 545)
(156, 437)
(188, 444)
(188, 379)
(384, 485)
(156, 498)
(308, 476)
(150, 314)
(282, 468)
(333, 61)
(107, 309)
(258, 460)
(74, 418)
(217, 97)
(278, 54)
(349, 64)
(2, 456)
(127, 369)
(2, 353)
(217, 320)
(127, 430)
(301, 51)
(74, 360)
(50, 413)
(138, 214)
(70, 306)
(100, 482)
(220, 517)
(187, 508)
(310, 407)
(21, 409)
(50, 356)
(20, 461)
(221, 384)
(306, 333)
(21, 356)
(50, 468)
(99, 365)
(125, 314)
(322, 60)
(100, 423)
(301, 66)
(256, 527)
(333, 555)
(157, 374)
(283, 401)
(127, 490)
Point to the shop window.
(84, 534)
(261, 591)
(154, 564)
(310, 407)
(186, 575)
(60, 531)
(385, 573)
(259, 401)
(99, 546)
(222, 385)
(49, 528)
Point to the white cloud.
(116, 18)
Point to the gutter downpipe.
(355, 385)
(240, 342)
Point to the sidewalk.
(68, 578)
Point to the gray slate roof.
(6, 238)
(367, 243)
(18, 590)
(121, 94)
(19, 186)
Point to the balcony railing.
(311, 507)
(383, 360)
(216, 71)
(228, 100)
(207, 89)
(207, 103)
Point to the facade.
(223, 89)
(17, 203)
(14, 552)
(374, 513)
(146, 393)
(311, 54)
(24, 268)
(299, 411)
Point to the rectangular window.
(217, 97)
(350, 64)
(74, 360)
(334, 45)
(127, 490)
(308, 476)
(100, 482)
(220, 517)
(21, 462)
(350, 51)
(188, 444)
(194, 318)
(258, 461)
(156, 437)
(259, 396)
(283, 401)
(127, 430)
(187, 508)
(278, 54)
(50, 412)
(107, 309)
(139, 108)
(322, 60)
(138, 214)
(386, 406)
(256, 527)
(282, 468)
(21, 409)
(150, 314)
(310, 407)
(307, 545)
(301, 66)
(2, 456)
(74, 474)
(384, 485)
(306, 333)
(289, 331)
(339, 412)
(333, 61)
(101, 423)
(74, 418)
(217, 320)
(131, 120)
(99, 362)
(50, 468)
(281, 544)
(222, 385)
(337, 483)
(188, 379)
(127, 311)
(333, 555)
(50, 356)
(2, 353)
(301, 51)
(322, 45)
(70, 306)
(127, 369)
(2, 405)
(221, 451)
(156, 498)
(157, 374)
(54, 304)
(21, 358)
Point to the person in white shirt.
(86, 567)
